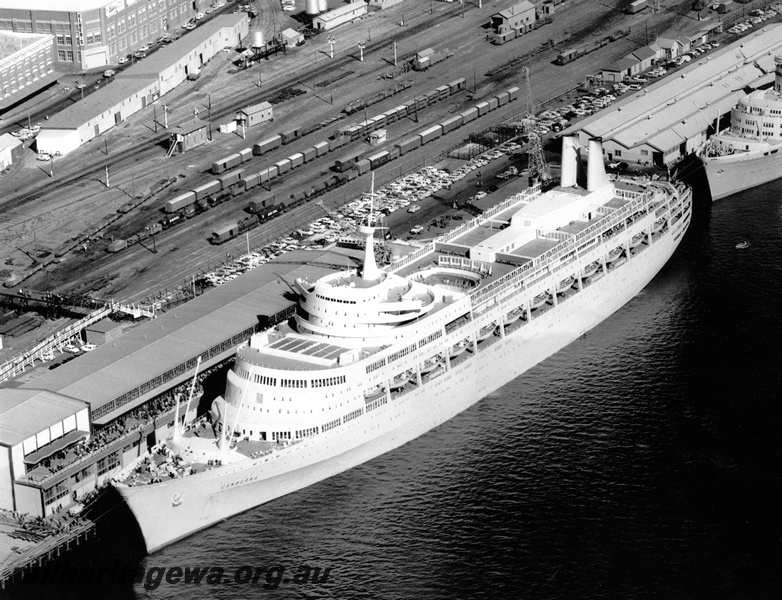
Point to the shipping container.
(202, 191)
(264, 146)
(228, 179)
(409, 144)
(432, 133)
(378, 159)
(493, 103)
(289, 136)
(469, 114)
(296, 160)
(251, 180)
(310, 154)
(322, 148)
(452, 123)
(483, 108)
(457, 85)
(180, 201)
(283, 165)
(362, 166)
(513, 93)
(246, 154)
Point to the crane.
(537, 162)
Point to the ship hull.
(734, 173)
(169, 511)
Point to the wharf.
(21, 551)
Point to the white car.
(71, 348)
(43, 156)
(414, 209)
(200, 16)
(416, 230)
(88, 347)
(109, 73)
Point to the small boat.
(637, 240)
(540, 299)
(513, 316)
(486, 332)
(659, 225)
(742, 245)
(614, 254)
(590, 270)
(565, 284)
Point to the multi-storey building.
(91, 34)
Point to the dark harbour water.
(643, 461)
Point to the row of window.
(54, 493)
(332, 425)
(107, 463)
(303, 433)
(376, 403)
(430, 338)
(400, 353)
(354, 414)
(327, 299)
(328, 381)
(376, 365)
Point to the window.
(618, 153)
(61, 55)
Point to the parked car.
(416, 230)
(109, 73)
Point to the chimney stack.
(596, 170)
(569, 161)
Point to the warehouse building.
(63, 434)
(672, 117)
(90, 34)
(11, 150)
(26, 66)
(340, 16)
(140, 85)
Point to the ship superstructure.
(376, 357)
(750, 152)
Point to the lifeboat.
(637, 240)
(373, 392)
(430, 365)
(486, 332)
(565, 284)
(458, 348)
(614, 254)
(590, 270)
(512, 316)
(659, 225)
(540, 299)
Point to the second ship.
(374, 359)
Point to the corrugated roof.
(9, 141)
(679, 101)
(175, 337)
(26, 412)
(644, 53)
(342, 10)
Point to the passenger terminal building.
(49, 425)
(671, 118)
(90, 34)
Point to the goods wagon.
(452, 123)
(393, 152)
(260, 203)
(321, 148)
(250, 181)
(268, 173)
(469, 114)
(432, 133)
(483, 108)
(493, 103)
(378, 122)
(349, 160)
(444, 91)
(180, 201)
(351, 174)
(363, 166)
(310, 154)
(228, 179)
(378, 159)
(218, 166)
(457, 85)
(205, 190)
(513, 93)
(502, 98)
(390, 116)
(264, 146)
(338, 142)
(289, 136)
(246, 154)
(283, 165)
(296, 159)
(408, 144)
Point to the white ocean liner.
(378, 358)
(750, 153)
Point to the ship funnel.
(569, 162)
(596, 170)
(778, 73)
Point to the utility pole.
(394, 52)
(154, 116)
(133, 181)
(361, 50)
(209, 116)
(332, 41)
(107, 176)
(51, 165)
(106, 142)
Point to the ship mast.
(370, 272)
(177, 429)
